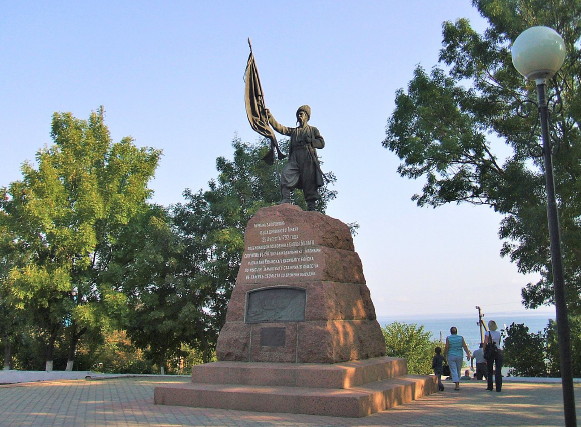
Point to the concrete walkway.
(103, 400)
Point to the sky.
(170, 75)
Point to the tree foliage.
(524, 352)
(552, 347)
(64, 218)
(462, 127)
(411, 342)
(536, 354)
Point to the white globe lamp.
(538, 53)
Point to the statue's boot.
(286, 196)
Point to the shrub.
(524, 352)
(411, 342)
(553, 360)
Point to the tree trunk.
(7, 352)
(50, 349)
(74, 341)
(72, 351)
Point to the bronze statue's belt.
(299, 146)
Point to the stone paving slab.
(128, 402)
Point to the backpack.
(490, 350)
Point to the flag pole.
(269, 158)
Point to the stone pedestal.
(300, 294)
(301, 333)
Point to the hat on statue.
(306, 109)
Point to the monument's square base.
(350, 389)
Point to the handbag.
(446, 370)
(490, 350)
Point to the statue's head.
(305, 109)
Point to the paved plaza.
(127, 401)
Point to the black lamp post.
(537, 54)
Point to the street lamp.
(538, 53)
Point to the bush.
(524, 352)
(410, 342)
(115, 355)
(537, 354)
(553, 360)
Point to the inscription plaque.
(272, 337)
(275, 305)
(276, 250)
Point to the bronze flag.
(256, 110)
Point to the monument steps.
(354, 402)
(318, 375)
(351, 389)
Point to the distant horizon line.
(466, 314)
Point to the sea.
(439, 326)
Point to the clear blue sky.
(170, 74)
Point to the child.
(437, 363)
(466, 375)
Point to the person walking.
(495, 358)
(453, 354)
(437, 366)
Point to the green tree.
(524, 352)
(166, 303)
(530, 354)
(8, 321)
(66, 215)
(552, 347)
(449, 125)
(410, 342)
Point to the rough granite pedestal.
(301, 334)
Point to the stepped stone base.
(349, 389)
